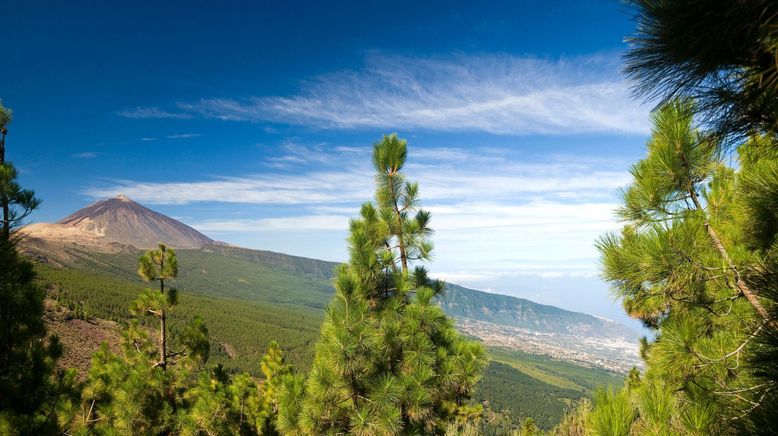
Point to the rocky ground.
(80, 338)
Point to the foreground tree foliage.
(695, 262)
(697, 258)
(575, 422)
(758, 190)
(162, 386)
(27, 386)
(388, 361)
(722, 53)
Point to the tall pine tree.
(149, 387)
(691, 263)
(388, 361)
(158, 265)
(26, 357)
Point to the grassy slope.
(229, 272)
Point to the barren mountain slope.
(121, 220)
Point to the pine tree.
(388, 360)
(757, 190)
(149, 389)
(26, 357)
(218, 404)
(528, 427)
(683, 264)
(275, 371)
(125, 393)
(160, 265)
(5, 118)
(574, 423)
(17, 203)
(722, 53)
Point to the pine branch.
(735, 352)
(741, 284)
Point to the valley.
(617, 355)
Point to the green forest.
(364, 348)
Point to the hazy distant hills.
(519, 312)
(118, 228)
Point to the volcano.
(120, 220)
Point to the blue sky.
(253, 122)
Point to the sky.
(253, 122)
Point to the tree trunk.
(739, 282)
(162, 342)
(6, 229)
(400, 242)
(162, 319)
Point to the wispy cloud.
(152, 112)
(85, 155)
(498, 94)
(293, 153)
(183, 136)
(148, 139)
(445, 175)
(544, 270)
(272, 189)
(293, 223)
(486, 207)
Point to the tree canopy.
(721, 53)
(388, 360)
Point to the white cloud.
(293, 223)
(498, 94)
(152, 112)
(85, 155)
(295, 153)
(272, 189)
(532, 220)
(485, 206)
(183, 136)
(549, 271)
(445, 175)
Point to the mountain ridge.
(509, 310)
(112, 224)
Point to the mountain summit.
(122, 220)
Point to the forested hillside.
(263, 276)
(242, 326)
